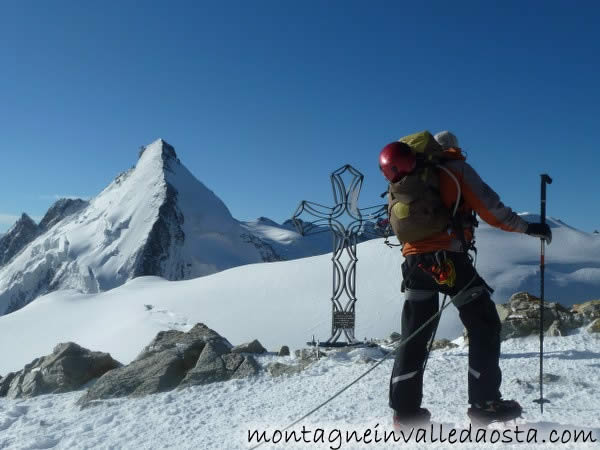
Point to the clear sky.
(263, 99)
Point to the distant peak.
(266, 221)
(23, 223)
(26, 219)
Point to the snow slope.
(286, 242)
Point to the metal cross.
(345, 238)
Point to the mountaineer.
(434, 197)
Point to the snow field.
(218, 416)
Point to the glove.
(540, 230)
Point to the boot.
(414, 419)
(494, 411)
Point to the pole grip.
(545, 180)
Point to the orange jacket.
(476, 196)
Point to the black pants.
(478, 315)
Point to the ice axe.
(545, 180)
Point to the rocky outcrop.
(59, 210)
(212, 367)
(166, 232)
(395, 336)
(277, 369)
(267, 252)
(312, 354)
(594, 326)
(588, 310)
(521, 316)
(175, 359)
(439, 344)
(5, 383)
(284, 351)
(24, 231)
(68, 368)
(249, 347)
(191, 341)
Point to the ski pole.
(545, 180)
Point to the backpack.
(415, 205)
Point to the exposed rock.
(24, 231)
(309, 354)
(277, 369)
(465, 337)
(594, 327)
(175, 359)
(249, 367)
(59, 210)
(166, 232)
(155, 373)
(521, 317)
(589, 310)
(267, 252)
(209, 368)
(191, 342)
(284, 351)
(249, 347)
(554, 329)
(212, 367)
(503, 311)
(442, 343)
(395, 336)
(5, 383)
(68, 368)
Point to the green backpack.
(415, 206)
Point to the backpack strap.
(457, 219)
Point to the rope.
(344, 389)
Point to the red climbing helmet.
(396, 160)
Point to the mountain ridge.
(156, 219)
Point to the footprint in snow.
(171, 320)
(106, 419)
(6, 422)
(17, 411)
(41, 442)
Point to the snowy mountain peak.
(154, 219)
(159, 150)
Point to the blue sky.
(263, 99)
